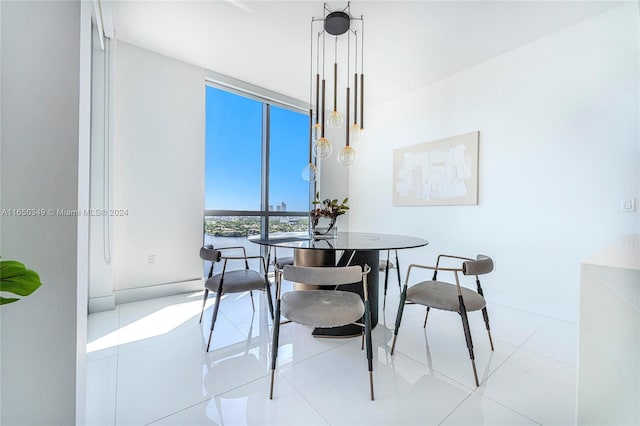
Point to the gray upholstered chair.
(232, 281)
(278, 262)
(385, 265)
(449, 297)
(323, 308)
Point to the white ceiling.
(408, 44)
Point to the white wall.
(40, 47)
(334, 178)
(158, 171)
(559, 146)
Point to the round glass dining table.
(357, 248)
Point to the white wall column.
(41, 334)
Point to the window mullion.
(266, 127)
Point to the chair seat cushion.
(383, 265)
(322, 308)
(236, 281)
(439, 295)
(281, 261)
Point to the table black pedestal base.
(360, 257)
(350, 330)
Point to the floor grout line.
(456, 408)
(305, 399)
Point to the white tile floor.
(147, 365)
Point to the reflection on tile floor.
(147, 365)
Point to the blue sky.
(233, 154)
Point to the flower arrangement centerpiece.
(329, 209)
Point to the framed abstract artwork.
(437, 173)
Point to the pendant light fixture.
(336, 24)
(356, 129)
(310, 172)
(322, 147)
(335, 120)
(348, 156)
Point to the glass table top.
(343, 241)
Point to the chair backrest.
(325, 275)
(209, 253)
(482, 265)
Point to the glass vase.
(324, 227)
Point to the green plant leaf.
(17, 279)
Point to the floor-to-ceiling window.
(288, 152)
(255, 150)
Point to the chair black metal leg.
(204, 302)
(274, 346)
(253, 305)
(485, 315)
(386, 282)
(269, 258)
(467, 335)
(403, 298)
(425, 318)
(214, 316)
(269, 300)
(398, 272)
(367, 331)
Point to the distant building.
(282, 207)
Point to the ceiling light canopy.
(337, 23)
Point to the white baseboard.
(160, 290)
(101, 304)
